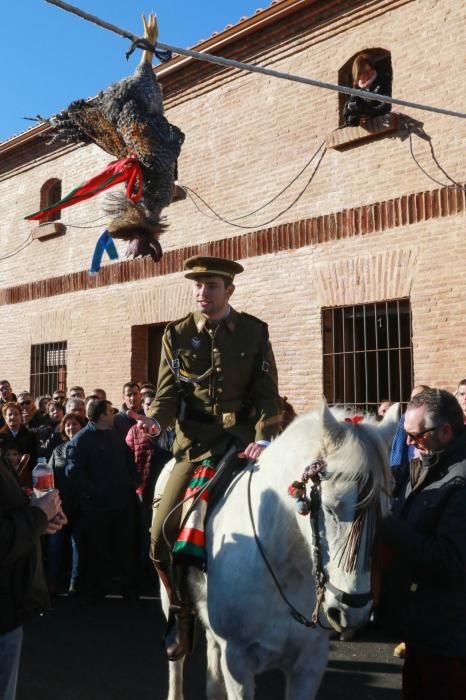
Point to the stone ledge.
(352, 135)
(48, 230)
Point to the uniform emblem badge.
(195, 342)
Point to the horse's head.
(349, 489)
(354, 488)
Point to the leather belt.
(227, 419)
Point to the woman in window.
(366, 77)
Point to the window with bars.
(48, 368)
(367, 354)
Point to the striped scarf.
(190, 543)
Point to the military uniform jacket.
(226, 385)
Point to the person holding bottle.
(23, 589)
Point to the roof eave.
(257, 21)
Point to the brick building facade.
(360, 280)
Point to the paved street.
(112, 652)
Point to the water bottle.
(42, 478)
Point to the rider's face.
(212, 296)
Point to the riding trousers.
(163, 504)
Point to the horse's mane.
(356, 452)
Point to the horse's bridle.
(322, 583)
(352, 600)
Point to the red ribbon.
(125, 170)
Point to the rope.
(296, 177)
(422, 169)
(230, 63)
(18, 249)
(192, 193)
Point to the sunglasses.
(416, 436)
(25, 403)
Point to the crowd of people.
(105, 465)
(104, 469)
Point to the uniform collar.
(229, 321)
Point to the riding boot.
(179, 638)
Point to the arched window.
(50, 193)
(383, 65)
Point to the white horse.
(250, 616)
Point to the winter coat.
(426, 582)
(26, 442)
(49, 437)
(23, 589)
(369, 106)
(149, 458)
(101, 467)
(68, 494)
(123, 422)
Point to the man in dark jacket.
(427, 537)
(23, 589)
(101, 467)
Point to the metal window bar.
(396, 312)
(48, 367)
(354, 358)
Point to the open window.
(383, 65)
(50, 193)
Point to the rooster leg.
(151, 33)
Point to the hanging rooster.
(127, 121)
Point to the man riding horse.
(218, 379)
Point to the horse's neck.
(273, 508)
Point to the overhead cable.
(192, 194)
(251, 67)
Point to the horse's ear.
(332, 431)
(388, 426)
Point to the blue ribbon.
(105, 243)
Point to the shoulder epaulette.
(178, 320)
(253, 318)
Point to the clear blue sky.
(49, 57)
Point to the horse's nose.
(334, 617)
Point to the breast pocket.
(241, 367)
(194, 363)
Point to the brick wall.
(247, 136)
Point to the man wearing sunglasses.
(427, 537)
(32, 418)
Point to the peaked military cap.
(201, 265)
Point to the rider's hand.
(252, 451)
(147, 424)
(50, 503)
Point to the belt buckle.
(228, 420)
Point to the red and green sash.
(191, 540)
(125, 170)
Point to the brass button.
(218, 369)
(220, 390)
(215, 350)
